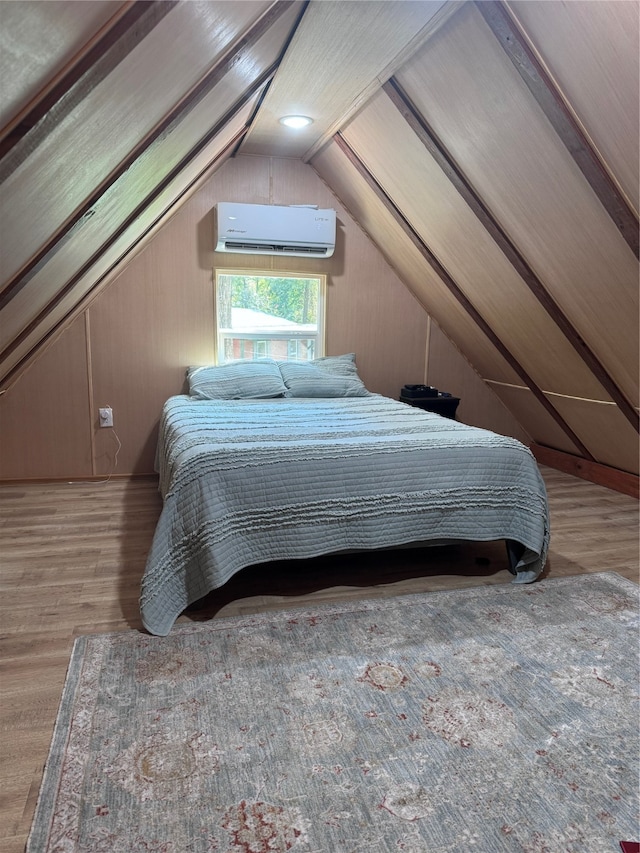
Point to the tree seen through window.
(275, 316)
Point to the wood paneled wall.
(469, 191)
(449, 370)
(525, 175)
(131, 347)
(592, 49)
(45, 418)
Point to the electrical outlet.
(106, 416)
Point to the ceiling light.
(296, 121)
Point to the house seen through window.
(262, 315)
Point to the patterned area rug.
(488, 719)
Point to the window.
(261, 349)
(259, 315)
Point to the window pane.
(276, 316)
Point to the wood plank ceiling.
(489, 149)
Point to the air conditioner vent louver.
(265, 229)
(275, 248)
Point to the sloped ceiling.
(489, 149)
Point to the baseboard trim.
(595, 472)
(76, 480)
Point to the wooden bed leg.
(515, 550)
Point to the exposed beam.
(249, 93)
(32, 111)
(234, 55)
(595, 472)
(454, 173)
(285, 46)
(453, 287)
(96, 64)
(545, 91)
(221, 155)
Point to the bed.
(304, 471)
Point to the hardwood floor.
(73, 554)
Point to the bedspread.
(249, 481)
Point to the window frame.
(261, 335)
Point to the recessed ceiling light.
(296, 121)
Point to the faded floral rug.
(487, 719)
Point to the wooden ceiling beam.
(454, 173)
(150, 198)
(235, 54)
(96, 64)
(551, 102)
(454, 288)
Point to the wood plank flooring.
(71, 558)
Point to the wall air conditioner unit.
(265, 229)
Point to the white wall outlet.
(106, 416)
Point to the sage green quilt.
(250, 481)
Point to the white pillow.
(329, 376)
(237, 380)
